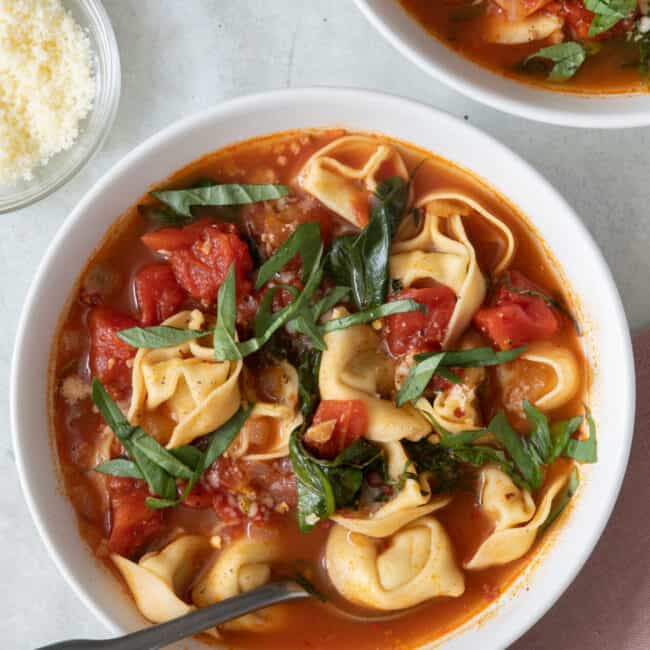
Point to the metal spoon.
(158, 636)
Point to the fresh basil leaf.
(316, 500)
(287, 313)
(361, 262)
(429, 457)
(119, 467)
(561, 432)
(431, 363)
(158, 336)
(418, 378)
(608, 13)
(188, 455)
(181, 201)
(514, 445)
(156, 503)
(308, 392)
(369, 315)
(538, 443)
(305, 240)
(563, 499)
(221, 438)
(451, 440)
(160, 482)
(305, 325)
(265, 316)
(478, 357)
(110, 411)
(567, 58)
(225, 344)
(359, 454)
(330, 300)
(345, 483)
(584, 451)
(157, 454)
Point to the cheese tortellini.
(411, 502)
(353, 367)
(158, 580)
(283, 415)
(181, 392)
(244, 564)
(516, 518)
(439, 249)
(417, 564)
(497, 28)
(343, 174)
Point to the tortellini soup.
(324, 356)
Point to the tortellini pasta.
(411, 502)
(244, 564)
(497, 28)
(343, 174)
(353, 367)
(516, 518)
(181, 392)
(439, 249)
(552, 377)
(158, 580)
(417, 564)
(283, 414)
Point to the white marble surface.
(180, 57)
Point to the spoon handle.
(158, 636)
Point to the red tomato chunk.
(133, 523)
(416, 330)
(201, 255)
(350, 421)
(159, 295)
(109, 355)
(517, 318)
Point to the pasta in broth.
(338, 358)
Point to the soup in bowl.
(510, 53)
(334, 355)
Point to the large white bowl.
(508, 95)
(613, 388)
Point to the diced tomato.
(109, 354)
(171, 239)
(133, 523)
(201, 255)
(158, 293)
(351, 422)
(517, 318)
(416, 330)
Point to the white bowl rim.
(315, 95)
(607, 116)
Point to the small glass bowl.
(94, 129)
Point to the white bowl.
(155, 159)
(508, 95)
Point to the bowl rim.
(285, 97)
(94, 10)
(532, 108)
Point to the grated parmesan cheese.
(46, 84)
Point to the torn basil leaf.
(119, 467)
(308, 391)
(567, 59)
(158, 336)
(584, 451)
(181, 201)
(418, 378)
(305, 241)
(608, 13)
(369, 315)
(224, 336)
(563, 499)
(361, 262)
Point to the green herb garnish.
(608, 13)
(567, 58)
(181, 201)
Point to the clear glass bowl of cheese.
(93, 129)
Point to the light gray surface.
(181, 57)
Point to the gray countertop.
(181, 57)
